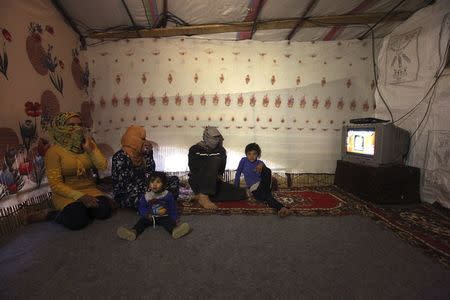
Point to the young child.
(156, 207)
(258, 179)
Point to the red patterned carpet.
(421, 225)
(307, 202)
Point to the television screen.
(361, 141)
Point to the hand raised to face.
(88, 145)
(147, 147)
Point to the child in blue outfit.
(156, 207)
(258, 179)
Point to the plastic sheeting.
(103, 14)
(436, 173)
(409, 61)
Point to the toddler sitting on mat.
(156, 207)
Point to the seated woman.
(69, 164)
(207, 160)
(132, 166)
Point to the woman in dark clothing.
(207, 160)
(132, 166)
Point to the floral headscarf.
(69, 137)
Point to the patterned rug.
(421, 225)
(321, 201)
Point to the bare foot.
(284, 212)
(204, 201)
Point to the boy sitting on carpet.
(156, 207)
(258, 179)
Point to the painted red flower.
(49, 29)
(25, 168)
(33, 109)
(12, 188)
(7, 35)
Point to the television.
(374, 144)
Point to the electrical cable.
(375, 74)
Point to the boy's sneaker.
(126, 233)
(181, 230)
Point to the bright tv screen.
(361, 141)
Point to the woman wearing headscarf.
(207, 160)
(70, 164)
(132, 166)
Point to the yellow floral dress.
(69, 176)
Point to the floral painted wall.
(292, 99)
(42, 72)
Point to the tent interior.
(308, 81)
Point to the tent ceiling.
(264, 20)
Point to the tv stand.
(394, 184)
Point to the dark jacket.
(199, 157)
(130, 181)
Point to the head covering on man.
(211, 138)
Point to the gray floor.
(225, 257)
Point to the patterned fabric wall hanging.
(291, 99)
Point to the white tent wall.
(409, 61)
(292, 99)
